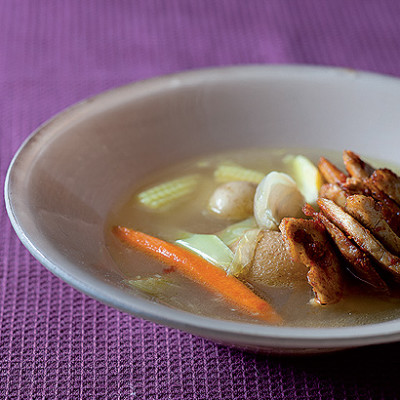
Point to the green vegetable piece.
(164, 195)
(209, 247)
(244, 253)
(307, 176)
(153, 285)
(234, 232)
(232, 172)
(165, 290)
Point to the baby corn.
(164, 195)
(229, 173)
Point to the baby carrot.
(200, 271)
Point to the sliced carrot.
(200, 271)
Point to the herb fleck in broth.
(191, 214)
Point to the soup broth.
(191, 215)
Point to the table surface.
(56, 342)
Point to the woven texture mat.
(56, 343)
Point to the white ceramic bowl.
(69, 173)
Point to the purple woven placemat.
(56, 343)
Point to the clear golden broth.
(359, 307)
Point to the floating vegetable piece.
(231, 172)
(244, 252)
(165, 290)
(277, 196)
(164, 195)
(234, 232)
(272, 264)
(153, 285)
(202, 272)
(171, 234)
(209, 247)
(306, 174)
(233, 200)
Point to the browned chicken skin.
(360, 213)
(359, 262)
(388, 182)
(366, 211)
(356, 167)
(308, 243)
(390, 209)
(361, 235)
(373, 185)
(330, 172)
(334, 192)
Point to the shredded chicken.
(308, 243)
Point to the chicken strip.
(356, 167)
(330, 172)
(387, 181)
(359, 262)
(390, 210)
(308, 243)
(366, 211)
(361, 235)
(333, 192)
(354, 186)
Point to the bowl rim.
(235, 333)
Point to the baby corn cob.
(163, 195)
(230, 172)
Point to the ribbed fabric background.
(56, 343)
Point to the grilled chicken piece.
(359, 262)
(390, 209)
(366, 211)
(354, 186)
(388, 182)
(361, 214)
(333, 192)
(308, 243)
(356, 167)
(362, 236)
(330, 172)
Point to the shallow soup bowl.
(69, 173)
